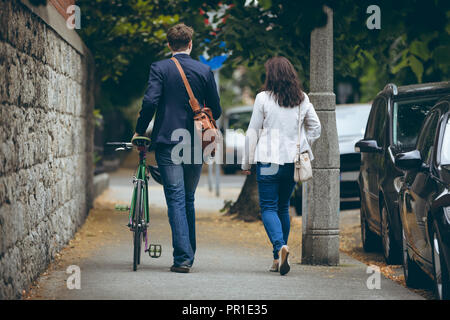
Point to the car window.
(369, 134)
(352, 120)
(407, 121)
(239, 120)
(445, 151)
(380, 122)
(427, 136)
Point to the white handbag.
(302, 169)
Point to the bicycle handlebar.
(139, 141)
(125, 145)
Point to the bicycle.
(138, 219)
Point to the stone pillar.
(320, 237)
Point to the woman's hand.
(246, 172)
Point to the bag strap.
(299, 130)
(193, 102)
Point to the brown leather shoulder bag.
(204, 122)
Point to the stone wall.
(46, 141)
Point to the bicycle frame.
(141, 174)
(139, 224)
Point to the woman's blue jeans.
(180, 182)
(275, 186)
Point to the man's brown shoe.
(180, 269)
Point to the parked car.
(395, 118)
(351, 120)
(424, 202)
(235, 123)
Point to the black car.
(394, 122)
(424, 202)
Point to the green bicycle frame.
(141, 174)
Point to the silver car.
(235, 123)
(351, 120)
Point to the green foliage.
(228, 95)
(97, 117)
(233, 85)
(118, 31)
(125, 37)
(96, 158)
(38, 2)
(255, 32)
(227, 204)
(412, 45)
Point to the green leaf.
(417, 67)
(442, 58)
(404, 62)
(265, 4)
(420, 49)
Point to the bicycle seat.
(140, 141)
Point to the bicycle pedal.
(154, 250)
(122, 207)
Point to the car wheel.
(440, 272)
(369, 239)
(412, 272)
(391, 251)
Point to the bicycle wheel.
(139, 250)
(137, 231)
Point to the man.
(167, 95)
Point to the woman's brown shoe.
(284, 260)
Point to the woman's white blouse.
(272, 134)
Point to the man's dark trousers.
(180, 181)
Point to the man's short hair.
(179, 36)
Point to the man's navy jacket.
(167, 96)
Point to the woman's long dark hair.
(282, 81)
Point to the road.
(231, 262)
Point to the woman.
(271, 143)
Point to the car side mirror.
(369, 146)
(409, 160)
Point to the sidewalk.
(231, 262)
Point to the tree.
(411, 46)
(125, 37)
(246, 206)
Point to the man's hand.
(135, 135)
(246, 172)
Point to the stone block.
(320, 238)
(323, 198)
(320, 250)
(12, 226)
(321, 59)
(4, 20)
(323, 101)
(326, 148)
(3, 71)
